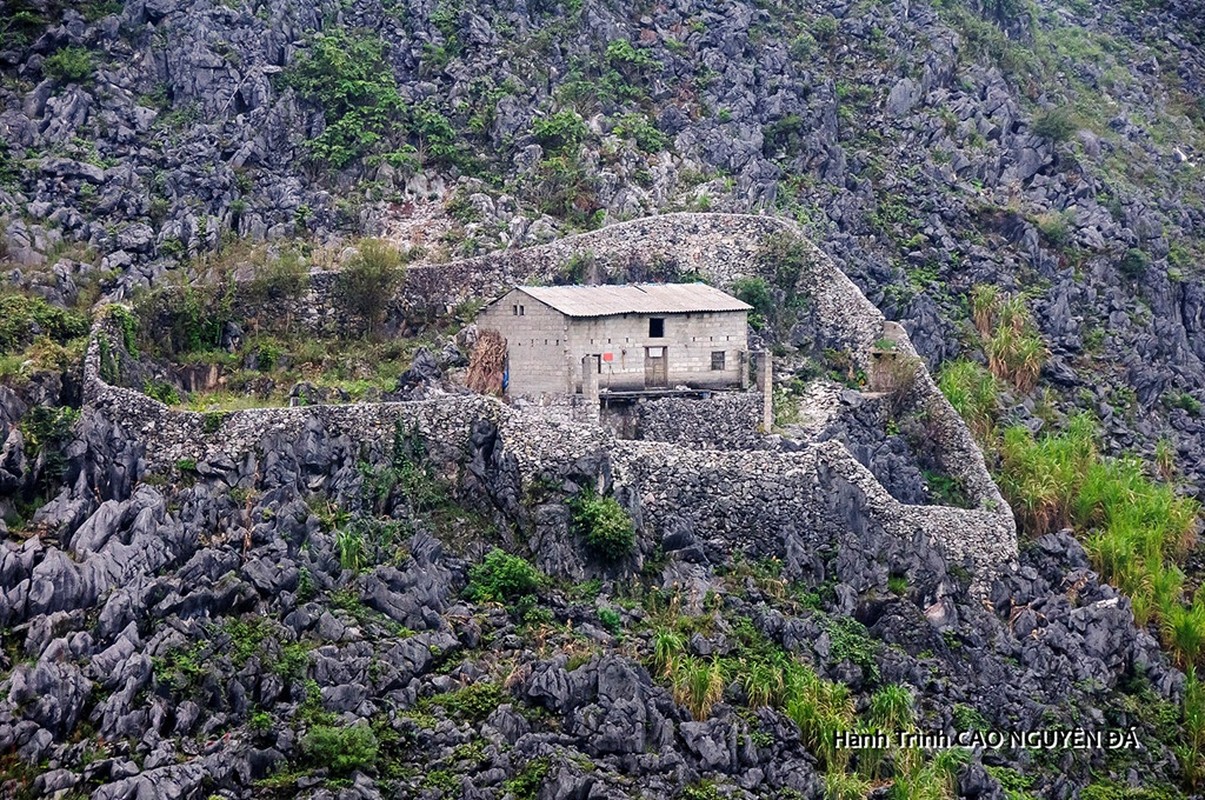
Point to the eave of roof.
(647, 298)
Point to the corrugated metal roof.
(644, 298)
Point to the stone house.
(634, 337)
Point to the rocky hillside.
(215, 632)
(1047, 148)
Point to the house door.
(656, 371)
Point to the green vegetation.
(785, 258)
(1014, 347)
(47, 433)
(473, 703)
(349, 77)
(503, 578)
(756, 292)
(1056, 124)
(973, 392)
(22, 315)
(69, 65)
(563, 130)
(367, 282)
(640, 129)
(604, 525)
(341, 750)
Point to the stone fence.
(698, 458)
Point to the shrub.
(284, 275)
(474, 702)
(1134, 263)
(629, 61)
(349, 77)
(1056, 226)
(502, 578)
(786, 257)
(1056, 124)
(825, 27)
(604, 524)
(21, 316)
(563, 130)
(610, 619)
(368, 281)
(341, 750)
(47, 433)
(162, 391)
(756, 292)
(69, 65)
(642, 131)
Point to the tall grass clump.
(698, 684)
(974, 392)
(1190, 750)
(1135, 528)
(821, 709)
(1011, 340)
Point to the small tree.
(369, 280)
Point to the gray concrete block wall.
(537, 343)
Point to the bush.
(604, 524)
(563, 130)
(1134, 263)
(756, 292)
(47, 433)
(21, 316)
(368, 281)
(69, 65)
(349, 77)
(1056, 226)
(502, 578)
(341, 750)
(1056, 125)
(642, 131)
(474, 702)
(162, 391)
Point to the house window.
(516, 310)
(521, 311)
(656, 327)
(717, 359)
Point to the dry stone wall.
(699, 458)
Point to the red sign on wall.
(608, 356)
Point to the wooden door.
(656, 369)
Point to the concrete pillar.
(765, 384)
(744, 366)
(590, 387)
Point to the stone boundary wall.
(770, 502)
(720, 248)
(724, 421)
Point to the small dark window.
(521, 311)
(717, 359)
(516, 310)
(656, 327)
